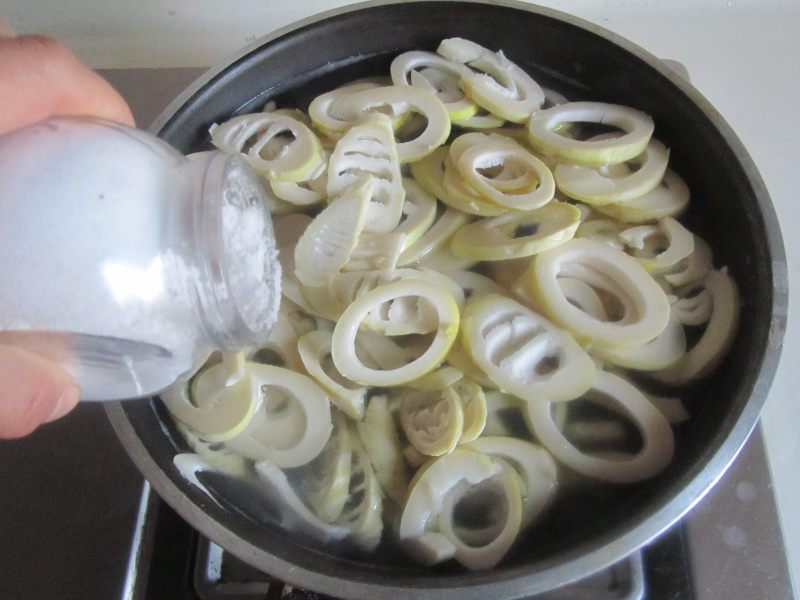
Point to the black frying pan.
(730, 208)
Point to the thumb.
(33, 390)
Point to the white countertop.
(743, 55)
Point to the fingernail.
(66, 402)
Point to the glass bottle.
(127, 262)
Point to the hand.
(39, 78)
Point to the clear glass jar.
(127, 262)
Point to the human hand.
(39, 78)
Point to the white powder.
(254, 273)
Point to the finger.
(40, 77)
(33, 391)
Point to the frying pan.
(585, 530)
